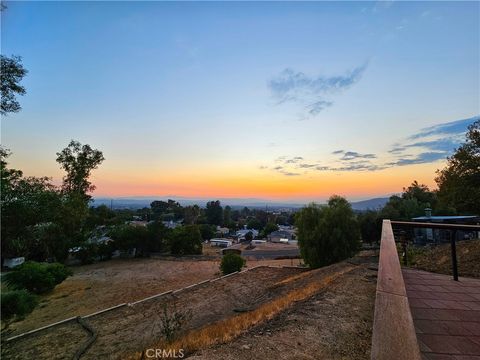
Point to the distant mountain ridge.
(140, 202)
(370, 204)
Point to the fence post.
(453, 236)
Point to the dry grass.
(292, 278)
(438, 259)
(228, 329)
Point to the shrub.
(327, 234)
(37, 277)
(172, 321)
(17, 303)
(87, 253)
(231, 262)
(105, 250)
(370, 224)
(59, 272)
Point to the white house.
(220, 242)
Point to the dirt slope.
(438, 259)
(334, 324)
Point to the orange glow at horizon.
(248, 183)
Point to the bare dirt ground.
(333, 324)
(105, 284)
(438, 259)
(336, 322)
(131, 329)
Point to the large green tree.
(214, 213)
(411, 203)
(186, 240)
(327, 234)
(459, 182)
(78, 161)
(191, 214)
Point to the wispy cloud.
(451, 128)
(311, 92)
(441, 139)
(318, 106)
(423, 158)
(428, 145)
(306, 166)
(352, 155)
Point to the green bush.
(327, 234)
(17, 303)
(37, 277)
(59, 272)
(231, 262)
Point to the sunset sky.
(284, 101)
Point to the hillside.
(438, 259)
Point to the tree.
(191, 214)
(99, 215)
(11, 73)
(207, 231)
(421, 193)
(127, 237)
(268, 229)
(227, 216)
(411, 203)
(158, 235)
(50, 242)
(145, 213)
(166, 210)
(214, 213)
(327, 234)
(254, 223)
(78, 161)
(459, 182)
(370, 226)
(186, 240)
(26, 202)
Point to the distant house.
(221, 242)
(241, 234)
(281, 236)
(424, 236)
(222, 230)
(172, 224)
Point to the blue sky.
(220, 98)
